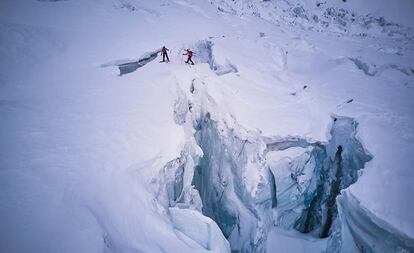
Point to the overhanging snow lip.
(129, 66)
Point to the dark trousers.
(189, 60)
(165, 55)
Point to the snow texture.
(293, 131)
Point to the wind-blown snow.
(91, 161)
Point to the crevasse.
(248, 184)
(240, 205)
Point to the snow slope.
(91, 161)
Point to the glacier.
(292, 132)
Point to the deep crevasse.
(236, 178)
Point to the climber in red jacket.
(189, 54)
(165, 54)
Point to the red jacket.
(189, 53)
(164, 50)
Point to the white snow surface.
(200, 228)
(80, 145)
(293, 241)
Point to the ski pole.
(182, 58)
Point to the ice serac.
(321, 16)
(203, 50)
(173, 185)
(360, 230)
(233, 181)
(224, 177)
(343, 157)
(310, 181)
